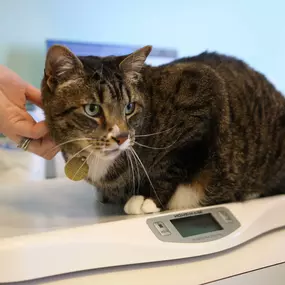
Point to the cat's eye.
(130, 108)
(92, 110)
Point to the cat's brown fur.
(209, 123)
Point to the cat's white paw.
(137, 205)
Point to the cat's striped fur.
(208, 129)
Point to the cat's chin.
(110, 155)
(99, 163)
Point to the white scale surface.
(56, 226)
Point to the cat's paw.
(137, 205)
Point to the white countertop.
(52, 204)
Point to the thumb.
(33, 95)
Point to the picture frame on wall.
(157, 56)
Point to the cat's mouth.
(115, 151)
(111, 153)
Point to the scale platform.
(53, 227)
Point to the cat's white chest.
(98, 168)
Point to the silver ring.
(24, 143)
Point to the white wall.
(253, 30)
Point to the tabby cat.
(198, 131)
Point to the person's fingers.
(22, 123)
(33, 95)
(43, 147)
(30, 129)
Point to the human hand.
(15, 121)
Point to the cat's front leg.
(169, 196)
(138, 204)
(152, 198)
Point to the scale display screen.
(196, 225)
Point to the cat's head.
(93, 103)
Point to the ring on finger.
(24, 143)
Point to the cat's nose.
(121, 138)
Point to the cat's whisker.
(93, 163)
(154, 134)
(128, 161)
(146, 173)
(138, 175)
(97, 163)
(95, 167)
(157, 148)
(85, 161)
(78, 153)
(70, 141)
(133, 172)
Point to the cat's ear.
(133, 63)
(60, 64)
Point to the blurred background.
(252, 30)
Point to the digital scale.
(56, 226)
